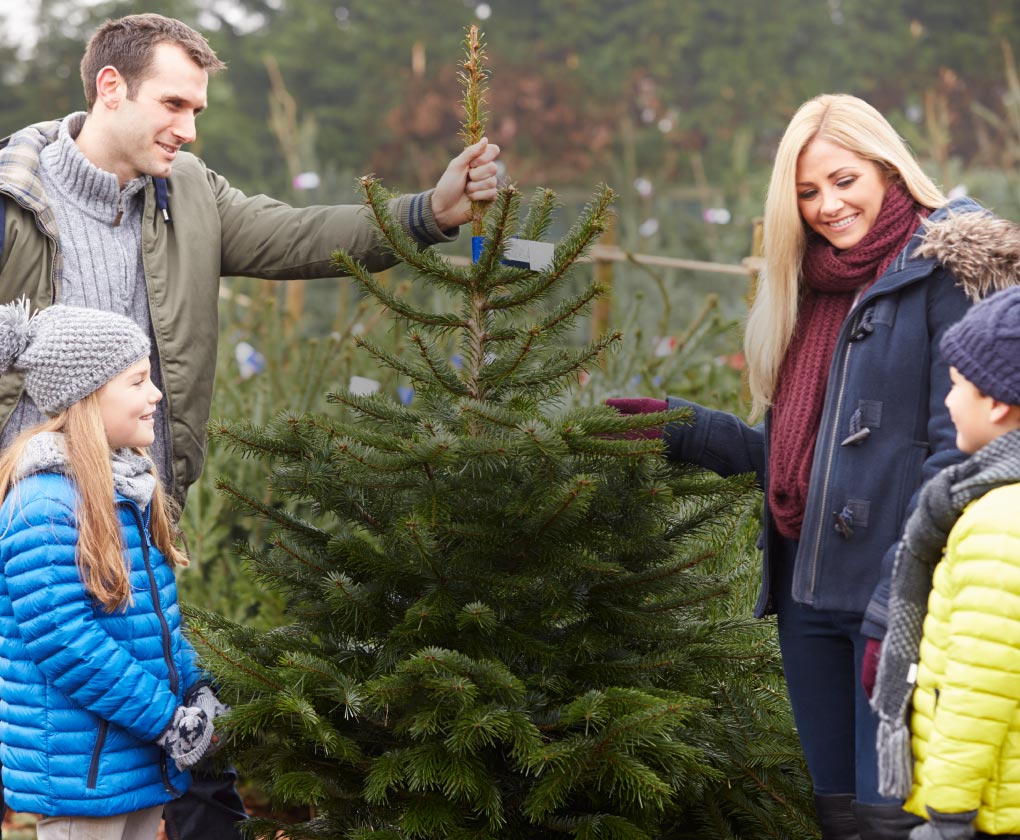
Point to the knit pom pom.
(15, 319)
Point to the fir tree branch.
(747, 774)
(413, 527)
(493, 413)
(572, 247)
(248, 439)
(506, 368)
(626, 449)
(375, 407)
(539, 219)
(277, 542)
(415, 372)
(655, 573)
(355, 451)
(442, 371)
(566, 313)
(387, 442)
(555, 373)
(425, 262)
(476, 335)
(401, 307)
(196, 631)
(501, 218)
(293, 524)
(582, 489)
(502, 370)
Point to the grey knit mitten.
(188, 736)
(946, 826)
(205, 698)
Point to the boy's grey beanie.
(985, 345)
(67, 352)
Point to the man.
(87, 225)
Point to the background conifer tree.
(506, 613)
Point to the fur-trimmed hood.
(982, 251)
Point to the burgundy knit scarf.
(831, 281)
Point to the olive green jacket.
(216, 231)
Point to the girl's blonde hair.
(856, 126)
(100, 551)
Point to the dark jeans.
(822, 652)
(210, 810)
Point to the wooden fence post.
(602, 308)
(754, 262)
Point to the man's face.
(146, 132)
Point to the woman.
(843, 362)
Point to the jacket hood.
(982, 251)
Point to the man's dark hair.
(128, 44)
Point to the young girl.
(98, 686)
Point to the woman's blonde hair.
(856, 126)
(100, 550)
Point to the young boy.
(959, 562)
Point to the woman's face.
(839, 193)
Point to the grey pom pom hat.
(67, 352)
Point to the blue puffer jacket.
(885, 430)
(84, 693)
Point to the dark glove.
(188, 736)
(205, 698)
(946, 826)
(869, 666)
(639, 405)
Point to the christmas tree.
(503, 609)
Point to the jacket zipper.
(164, 629)
(828, 462)
(164, 772)
(93, 776)
(167, 398)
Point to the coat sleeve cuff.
(686, 442)
(414, 213)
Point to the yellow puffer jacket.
(966, 716)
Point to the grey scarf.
(132, 473)
(920, 549)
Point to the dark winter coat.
(885, 429)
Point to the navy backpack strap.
(3, 218)
(162, 201)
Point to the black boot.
(836, 817)
(884, 822)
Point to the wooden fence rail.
(603, 256)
